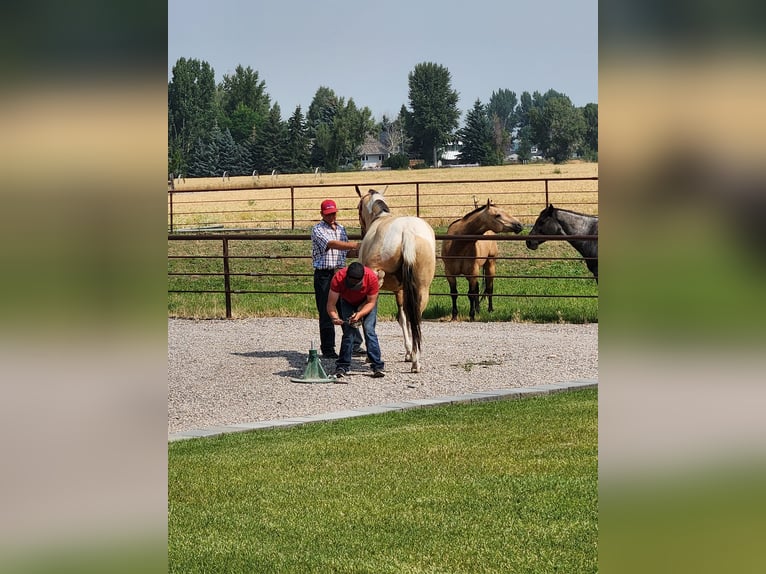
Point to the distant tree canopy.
(433, 118)
(234, 127)
(557, 126)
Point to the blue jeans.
(322, 280)
(370, 337)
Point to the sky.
(366, 50)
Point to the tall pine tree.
(477, 137)
(297, 145)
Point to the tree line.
(234, 127)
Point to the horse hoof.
(415, 369)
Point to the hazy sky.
(366, 50)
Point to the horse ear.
(358, 192)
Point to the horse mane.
(477, 210)
(469, 214)
(574, 212)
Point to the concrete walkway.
(502, 394)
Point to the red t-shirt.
(355, 296)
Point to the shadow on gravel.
(295, 359)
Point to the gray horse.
(554, 221)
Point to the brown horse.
(402, 251)
(466, 257)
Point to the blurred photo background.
(681, 322)
(83, 124)
(83, 142)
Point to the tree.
(297, 149)
(191, 109)
(244, 103)
(501, 111)
(522, 110)
(590, 139)
(503, 105)
(336, 128)
(392, 135)
(434, 115)
(525, 144)
(477, 137)
(557, 127)
(319, 118)
(268, 149)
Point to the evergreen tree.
(477, 137)
(269, 146)
(337, 129)
(243, 102)
(229, 158)
(434, 116)
(298, 153)
(319, 118)
(214, 144)
(191, 109)
(199, 161)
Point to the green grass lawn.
(505, 486)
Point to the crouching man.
(356, 287)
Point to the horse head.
(371, 206)
(546, 224)
(499, 220)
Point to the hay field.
(445, 194)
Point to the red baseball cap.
(328, 206)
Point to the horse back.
(392, 240)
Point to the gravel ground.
(223, 372)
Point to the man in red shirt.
(356, 288)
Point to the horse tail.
(484, 283)
(410, 290)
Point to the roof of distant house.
(372, 146)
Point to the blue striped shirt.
(321, 235)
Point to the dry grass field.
(438, 195)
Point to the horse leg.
(452, 280)
(473, 296)
(489, 282)
(401, 316)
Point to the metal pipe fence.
(226, 258)
(282, 207)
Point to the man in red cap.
(354, 298)
(329, 246)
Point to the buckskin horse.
(555, 221)
(402, 251)
(470, 257)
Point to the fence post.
(226, 279)
(170, 194)
(417, 199)
(546, 192)
(292, 208)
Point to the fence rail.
(225, 256)
(250, 207)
